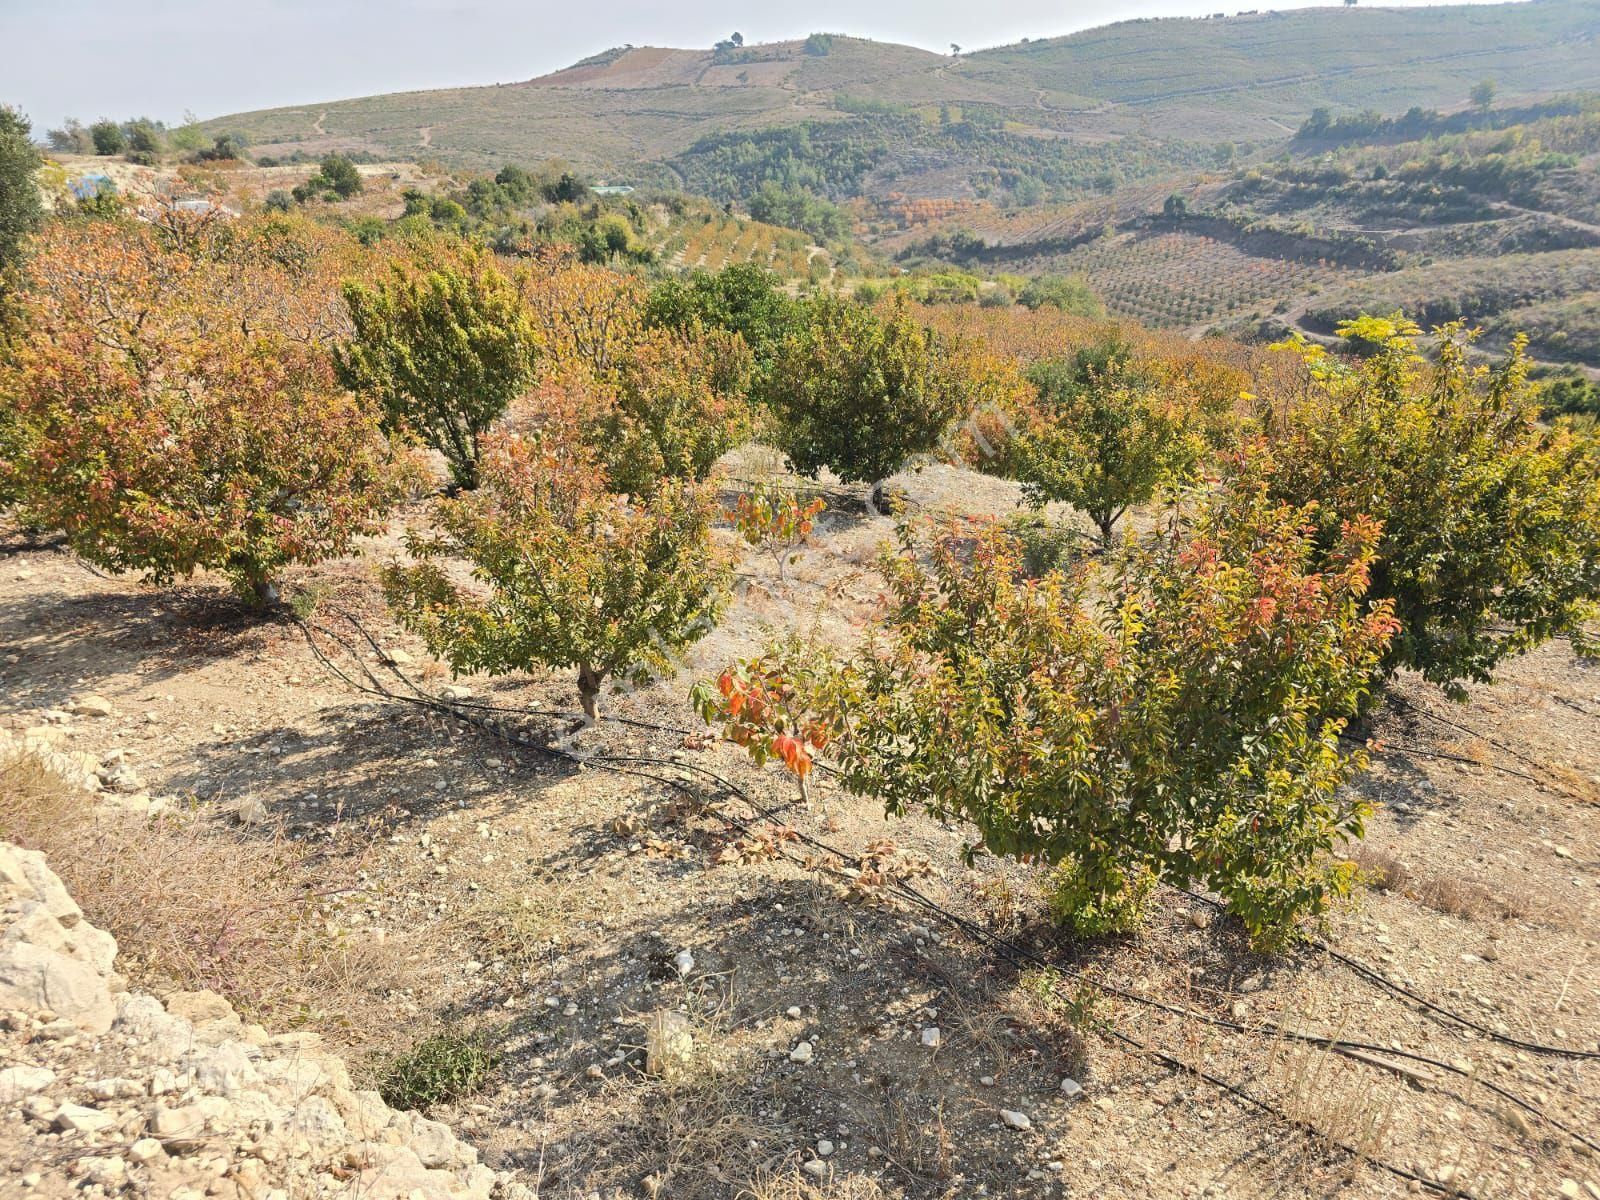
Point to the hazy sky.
(122, 58)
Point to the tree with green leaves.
(744, 298)
(568, 574)
(20, 206)
(336, 177)
(1178, 719)
(673, 406)
(861, 393)
(108, 137)
(70, 138)
(1482, 95)
(443, 350)
(1106, 434)
(341, 175)
(797, 208)
(172, 414)
(1491, 520)
(1070, 294)
(146, 140)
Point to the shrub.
(611, 239)
(173, 415)
(225, 147)
(340, 176)
(675, 405)
(861, 393)
(438, 1070)
(1114, 905)
(336, 179)
(768, 708)
(1106, 434)
(1491, 521)
(575, 575)
(1569, 395)
(443, 351)
(1045, 545)
(1182, 717)
(774, 520)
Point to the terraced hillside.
(1059, 116)
(711, 242)
(1498, 223)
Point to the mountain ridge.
(644, 112)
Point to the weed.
(437, 1070)
(522, 925)
(1322, 1092)
(791, 1185)
(1459, 898)
(1380, 870)
(1082, 1008)
(1046, 545)
(1096, 912)
(305, 601)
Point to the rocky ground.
(107, 1092)
(827, 1038)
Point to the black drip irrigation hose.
(1405, 705)
(1375, 976)
(1365, 970)
(1022, 955)
(1387, 747)
(1019, 955)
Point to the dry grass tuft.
(1449, 894)
(1380, 869)
(1459, 898)
(1575, 783)
(521, 920)
(699, 1140)
(693, 1133)
(1340, 1102)
(194, 906)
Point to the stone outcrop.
(106, 1092)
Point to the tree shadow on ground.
(781, 965)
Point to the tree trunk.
(264, 593)
(589, 681)
(880, 502)
(1106, 521)
(461, 455)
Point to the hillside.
(1059, 116)
(1497, 221)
